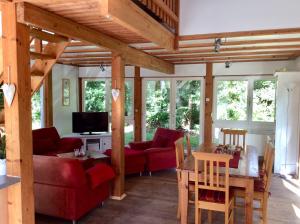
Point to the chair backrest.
(234, 137)
(269, 168)
(179, 148)
(188, 144)
(214, 172)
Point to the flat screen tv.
(90, 122)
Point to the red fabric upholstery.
(135, 160)
(259, 185)
(46, 141)
(160, 153)
(62, 188)
(213, 196)
(140, 145)
(233, 163)
(100, 174)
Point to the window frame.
(256, 127)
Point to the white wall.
(297, 64)
(213, 16)
(62, 115)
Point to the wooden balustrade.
(164, 11)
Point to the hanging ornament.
(115, 92)
(9, 90)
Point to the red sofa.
(160, 152)
(154, 155)
(135, 160)
(64, 189)
(46, 141)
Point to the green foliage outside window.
(232, 100)
(264, 100)
(94, 96)
(36, 110)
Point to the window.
(97, 97)
(264, 100)
(232, 100)
(245, 102)
(36, 110)
(94, 96)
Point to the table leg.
(184, 194)
(249, 201)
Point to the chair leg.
(197, 215)
(74, 222)
(150, 174)
(226, 217)
(179, 205)
(265, 209)
(209, 215)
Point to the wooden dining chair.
(188, 144)
(212, 185)
(234, 137)
(179, 148)
(262, 186)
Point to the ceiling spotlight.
(102, 68)
(227, 64)
(218, 43)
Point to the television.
(89, 122)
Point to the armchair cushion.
(159, 150)
(43, 146)
(69, 144)
(99, 174)
(140, 145)
(160, 141)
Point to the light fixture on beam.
(218, 43)
(227, 64)
(102, 68)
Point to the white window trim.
(255, 127)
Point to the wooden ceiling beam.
(53, 38)
(129, 15)
(35, 55)
(233, 61)
(235, 49)
(209, 44)
(296, 53)
(35, 16)
(233, 58)
(240, 34)
(65, 56)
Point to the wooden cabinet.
(97, 142)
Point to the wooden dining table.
(242, 177)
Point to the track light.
(218, 43)
(102, 68)
(227, 64)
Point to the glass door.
(188, 107)
(156, 105)
(173, 103)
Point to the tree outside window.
(232, 100)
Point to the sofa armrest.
(69, 144)
(99, 174)
(140, 145)
(51, 170)
(159, 150)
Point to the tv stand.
(94, 141)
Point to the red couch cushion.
(165, 137)
(44, 140)
(99, 174)
(213, 196)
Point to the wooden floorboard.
(153, 200)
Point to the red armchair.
(64, 189)
(46, 141)
(160, 152)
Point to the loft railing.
(165, 12)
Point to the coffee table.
(97, 156)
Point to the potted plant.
(2, 152)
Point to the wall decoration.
(66, 92)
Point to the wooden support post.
(48, 100)
(208, 104)
(118, 117)
(137, 104)
(16, 61)
(80, 94)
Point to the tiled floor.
(153, 200)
